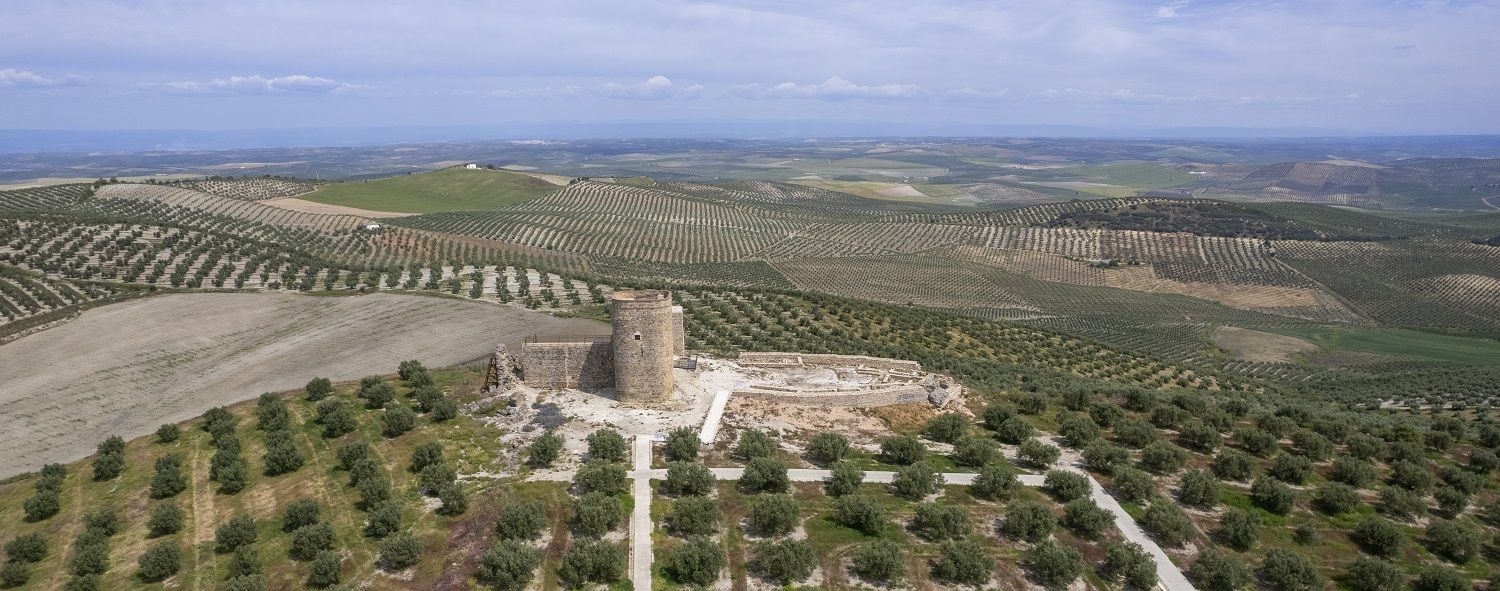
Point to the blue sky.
(1351, 65)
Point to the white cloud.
(294, 84)
(654, 88)
(834, 88)
(1170, 9)
(12, 78)
(970, 94)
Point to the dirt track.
(126, 368)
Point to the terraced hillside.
(1103, 269)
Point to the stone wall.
(804, 359)
(898, 394)
(585, 365)
(679, 332)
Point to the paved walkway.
(640, 519)
(711, 422)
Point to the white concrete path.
(640, 519)
(711, 422)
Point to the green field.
(453, 189)
(1399, 341)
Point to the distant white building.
(372, 227)
(471, 166)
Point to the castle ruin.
(636, 359)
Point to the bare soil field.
(1254, 345)
(124, 369)
(306, 206)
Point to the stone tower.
(645, 344)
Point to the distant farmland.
(454, 189)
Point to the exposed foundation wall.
(679, 332)
(907, 393)
(774, 359)
(585, 366)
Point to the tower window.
(637, 336)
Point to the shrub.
(336, 417)
(1163, 458)
(1352, 471)
(398, 420)
(995, 481)
(858, 512)
(1067, 486)
(383, 519)
(508, 565)
(373, 489)
(773, 515)
(236, 532)
(1451, 501)
(1454, 540)
(784, 562)
(30, 547)
(1078, 430)
(523, 520)
(694, 516)
(606, 445)
(1031, 403)
(696, 562)
(1284, 570)
(1305, 534)
(544, 450)
(879, 559)
(400, 551)
(445, 409)
(764, 474)
(1086, 518)
(1256, 441)
(936, 522)
(159, 561)
(244, 561)
(754, 444)
(1437, 578)
(681, 445)
(1411, 476)
(1129, 562)
(1104, 458)
(844, 479)
(827, 448)
(1167, 523)
(1200, 436)
(282, 455)
(947, 427)
(309, 540)
(1401, 503)
(166, 519)
(1199, 489)
(14, 574)
(318, 389)
(424, 455)
(1316, 447)
(1238, 529)
(1364, 447)
(376, 392)
(1217, 572)
(596, 513)
(1378, 536)
(436, 476)
(1334, 498)
(964, 562)
(1232, 464)
(351, 454)
(244, 583)
(901, 450)
(1038, 454)
(687, 478)
(1373, 574)
(915, 482)
(42, 505)
(108, 465)
(1290, 468)
(168, 433)
(1028, 521)
(1272, 495)
(996, 415)
(1133, 485)
(326, 569)
(1105, 415)
(1054, 565)
(600, 477)
(595, 561)
(975, 451)
(1014, 430)
(1135, 432)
